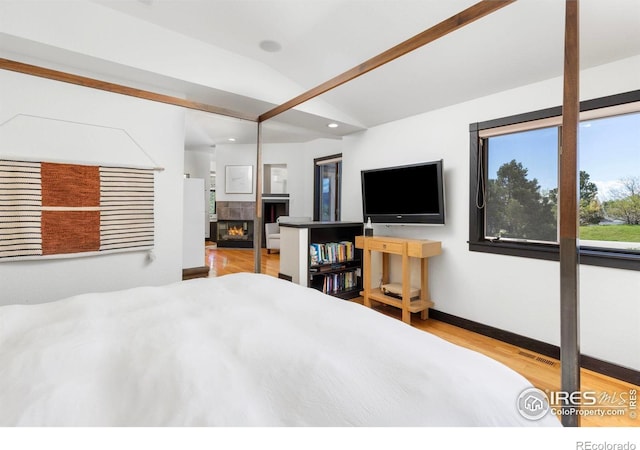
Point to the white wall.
(515, 294)
(299, 160)
(300, 170)
(126, 128)
(234, 155)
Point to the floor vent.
(546, 361)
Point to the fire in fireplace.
(235, 233)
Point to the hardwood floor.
(542, 371)
(231, 260)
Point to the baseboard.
(195, 272)
(282, 276)
(549, 350)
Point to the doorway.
(327, 188)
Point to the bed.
(239, 350)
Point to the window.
(522, 174)
(610, 186)
(514, 183)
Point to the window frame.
(596, 256)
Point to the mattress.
(240, 350)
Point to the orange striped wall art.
(61, 210)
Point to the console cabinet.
(406, 248)
(323, 256)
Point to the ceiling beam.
(447, 26)
(79, 80)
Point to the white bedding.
(241, 349)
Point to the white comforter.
(241, 349)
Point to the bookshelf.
(322, 256)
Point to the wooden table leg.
(406, 286)
(424, 286)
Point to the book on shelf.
(331, 252)
(337, 282)
(314, 258)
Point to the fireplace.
(235, 224)
(235, 233)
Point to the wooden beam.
(79, 80)
(447, 26)
(568, 208)
(258, 223)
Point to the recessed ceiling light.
(270, 46)
(231, 139)
(333, 125)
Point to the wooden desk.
(407, 248)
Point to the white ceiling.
(520, 44)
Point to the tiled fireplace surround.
(235, 214)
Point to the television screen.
(404, 194)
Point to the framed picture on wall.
(238, 180)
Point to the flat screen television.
(412, 194)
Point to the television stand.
(406, 248)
